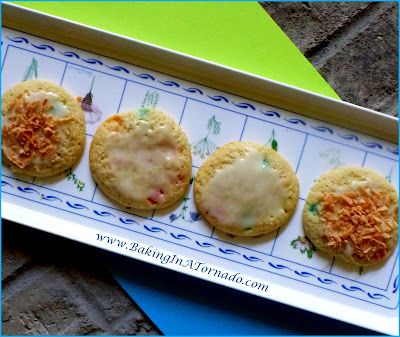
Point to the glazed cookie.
(352, 213)
(246, 189)
(141, 158)
(43, 128)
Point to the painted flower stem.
(272, 142)
(389, 176)
(193, 216)
(205, 146)
(333, 157)
(32, 71)
(151, 99)
(71, 176)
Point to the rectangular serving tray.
(314, 133)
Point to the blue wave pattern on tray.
(278, 266)
(228, 251)
(92, 61)
(128, 221)
(394, 151)
(352, 288)
(118, 68)
(145, 76)
(170, 83)
(325, 281)
(243, 105)
(323, 129)
(218, 98)
(70, 54)
(304, 274)
(27, 190)
(295, 121)
(348, 137)
(155, 229)
(18, 39)
(205, 244)
(377, 296)
(271, 113)
(396, 284)
(254, 259)
(103, 213)
(180, 236)
(50, 198)
(5, 183)
(43, 47)
(372, 144)
(193, 90)
(76, 206)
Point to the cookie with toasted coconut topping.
(352, 213)
(43, 128)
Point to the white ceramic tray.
(278, 266)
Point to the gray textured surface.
(54, 286)
(68, 292)
(311, 24)
(354, 46)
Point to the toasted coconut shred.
(31, 132)
(359, 223)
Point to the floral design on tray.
(303, 244)
(31, 71)
(205, 146)
(150, 99)
(193, 216)
(92, 112)
(272, 142)
(71, 176)
(332, 156)
(389, 176)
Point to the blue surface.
(182, 305)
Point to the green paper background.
(237, 34)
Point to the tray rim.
(204, 72)
(299, 91)
(281, 294)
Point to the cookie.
(352, 213)
(246, 189)
(141, 159)
(43, 128)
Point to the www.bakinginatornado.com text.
(200, 267)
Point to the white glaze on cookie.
(144, 162)
(59, 110)
(244, 193)
(368, 185)
(364, 182)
